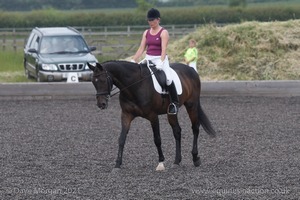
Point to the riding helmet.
(153, 14)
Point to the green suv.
(55, 54)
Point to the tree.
(143, 5)
(237, 3)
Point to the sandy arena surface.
(66, 149)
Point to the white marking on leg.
(160, 167)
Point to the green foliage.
(13, 77)
(11, 61)
(143, 5)
(29, 5)
(187, 15)
(237, 3)
(11, 69)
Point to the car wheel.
(26, 72)
(38, 76)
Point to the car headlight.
(87, 67)
(49, 67)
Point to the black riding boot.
(173, 107)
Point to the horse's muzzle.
(102, 103)
(102, 106)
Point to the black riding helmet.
(153, 14)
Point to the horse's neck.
(126, 76)
(120, 73)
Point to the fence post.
(3, 42)
(14, 40)
(173, 30)
(128, 31)
(15, 45)
(105, 31)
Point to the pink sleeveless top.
(153, 43)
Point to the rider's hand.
(159, 64)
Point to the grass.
(13, 77)
(11, 69)
(11, 61)
(274, 3)
(247, 51)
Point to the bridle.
(109, 85)
(109, 82)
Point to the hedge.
(194, 15)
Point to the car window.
(29, 40)
(35, 42)
(46, 45)
(63, 44)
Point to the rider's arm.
(164, 44)
(141, 49)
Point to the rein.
(110, 84)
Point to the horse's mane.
(117, 61)
(123, 65)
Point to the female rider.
(156, 40)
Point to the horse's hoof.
(160, 167)
(115, 170)
(175, 166)
(197, 162)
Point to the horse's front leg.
(126, 120)
(173, 120)
(157, 141)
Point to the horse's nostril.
(101, 105)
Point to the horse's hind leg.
(173, 120)
(192, 110)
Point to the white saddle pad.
(176, 81)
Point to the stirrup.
(175, 109)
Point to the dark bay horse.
(139, 98)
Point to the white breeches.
(193, 65)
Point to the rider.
(156, 40)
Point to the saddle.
(159, 75)
(159, 78)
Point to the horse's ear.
(92, 67)
(99, 66)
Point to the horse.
(138, 98)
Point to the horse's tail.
(205, 122)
